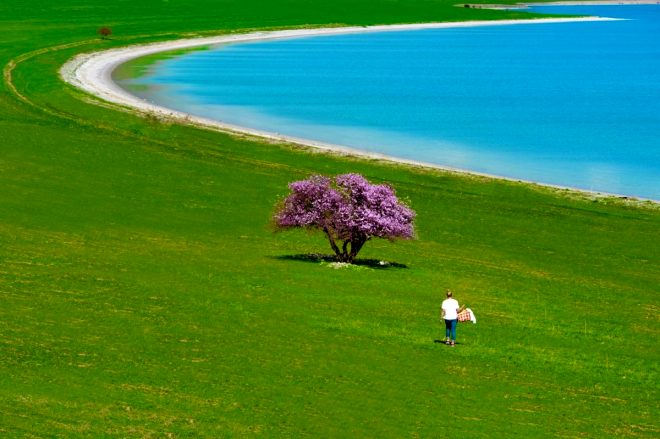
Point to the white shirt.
(450, 307)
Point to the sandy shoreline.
(595, 3)
(562, 3)
(92, 72)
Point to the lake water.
(571, 104)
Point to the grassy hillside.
(142, 293)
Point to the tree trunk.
(356, 246)
(332, 243)
(345, 255)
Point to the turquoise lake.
(570, 104)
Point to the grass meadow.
(143, 294)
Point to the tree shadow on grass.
(316, 258)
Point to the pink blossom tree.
(348, 209)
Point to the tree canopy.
(348, 209)
(104, 31)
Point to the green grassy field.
(142, 293)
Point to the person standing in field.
(449, 313)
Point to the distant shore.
(595, 3)
(92, 72)
(560, 3)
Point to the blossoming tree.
(348, 209)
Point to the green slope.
(142, 293)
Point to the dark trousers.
(450, 330)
